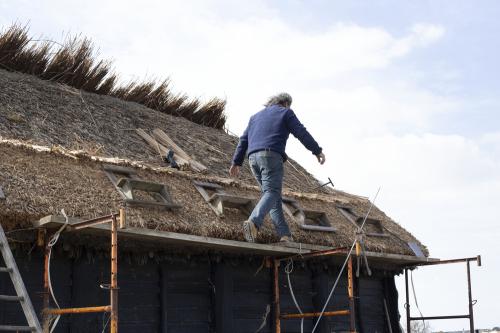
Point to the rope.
(415, 298)
(53, 240)
(345, 263)
(288, 271)
(264, 319)
(107, 321)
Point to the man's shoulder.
(271, 112)
(274, 109)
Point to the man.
(264, 140)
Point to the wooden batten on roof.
(168, 142)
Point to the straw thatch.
(78, 131)
(53, 114)
(74, 63)
(44, 181)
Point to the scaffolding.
(112, 308)
(350, 291)
(118, 221)
(469, 316)
(350, 311)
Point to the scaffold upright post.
(276, 293)
(407, 304)
(350, 291)
(471, 309)
(114, 274)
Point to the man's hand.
(234, 170)
(321, 158)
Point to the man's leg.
(278, 219)
(268, 170)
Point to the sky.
(400, 94)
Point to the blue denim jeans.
(267, 167)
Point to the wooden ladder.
(22, 295)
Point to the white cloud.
(422, 34)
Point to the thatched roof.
(74, 62)
(77, 132)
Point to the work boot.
(286, 239)
(249, 231)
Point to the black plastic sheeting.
(199, 295)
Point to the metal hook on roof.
(330, 182)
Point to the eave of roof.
(223, 245)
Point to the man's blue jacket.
(269, 129)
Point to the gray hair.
(284, 99)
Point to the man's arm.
(239, 154)
(241, 149)
(300, 132)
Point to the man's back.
(270, 129)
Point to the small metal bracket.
(329, 182)
(416, 249)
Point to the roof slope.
(41, 183)
(49, 113)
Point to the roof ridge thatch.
(74, 63)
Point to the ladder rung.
(17, 328)
(11, 298)
(21, 294)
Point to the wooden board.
(164, 237)
(55, 221)
(119, 169)
(160, 149)
(208, 185)
(163, 138)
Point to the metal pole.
(342, 250)
(46, 291)
(276, 291)
(123, 220)
(92, 222)
(440, 317)
(471, 310)
(350, 292)
(315, 314)
(92, 309)
(114, 276)
(451, 261)
(408, 320)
